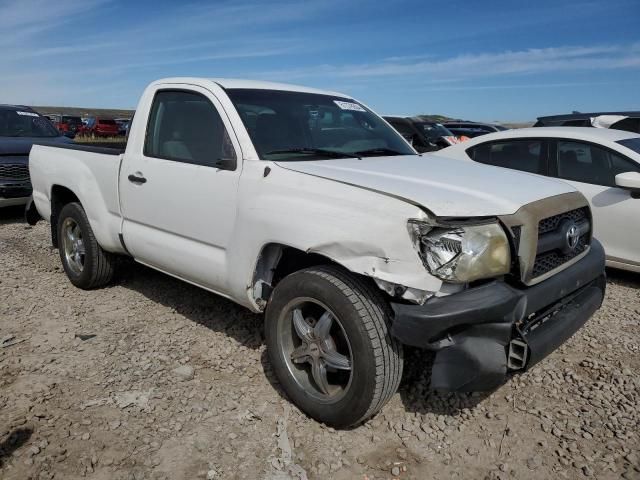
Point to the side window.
(186, 127)
(525, 155)
(586, 163)
(577, 123)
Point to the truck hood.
(22, 145)
(446, 187)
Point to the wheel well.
(60, 196)
(275, 262)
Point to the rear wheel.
(329, 343)
(86, 264)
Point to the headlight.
(463, 253)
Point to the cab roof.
(249, 84)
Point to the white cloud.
(530, 61)
(20, 19)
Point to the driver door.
(179, 195)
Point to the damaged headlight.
(463, 253)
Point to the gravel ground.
(155, 379)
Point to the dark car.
(101, 127)
(627, 121)
(20, 128)
(123, 125)
(473, 129)
(423, 135)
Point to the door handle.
(137, 178)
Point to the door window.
(186, 127)
(586, 163)
(524, 155)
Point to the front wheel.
(329, 343)
(86, 264)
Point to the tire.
(359, 330)
(97, 266)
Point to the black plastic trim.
(554, 332)
(124, 245)
(84, 148)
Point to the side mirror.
(629, 181)
(225, 164)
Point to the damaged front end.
(483, 333)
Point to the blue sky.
(489, 60)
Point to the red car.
(70, 125)
(101, 127)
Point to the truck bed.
(88, 172)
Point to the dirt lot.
(155, 379)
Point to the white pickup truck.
(306, 205)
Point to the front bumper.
(483, 333)
(14, 193)
(10, 202)
(13, 189)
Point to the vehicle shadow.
(418, 397)
(222, 315)
(623, 277)
(415, 393)
(205, 308)
(202, 307)
(16, 439)
(12, 215)
(270, 375)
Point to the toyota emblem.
(573, 236)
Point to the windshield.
(433, 131)
(631, 144)
(71, 120)
(19, 123)
(103, 121)
(286, 125)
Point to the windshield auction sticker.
(349, 106)
(27, 114)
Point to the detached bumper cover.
(471, 331)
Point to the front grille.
(14, 172)
(552, 234)
(551, 223)
(545, 262)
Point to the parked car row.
(307, 206)
(424, 136)
(441, 135)
(21, 127)
(92, 126)
(628, 121)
